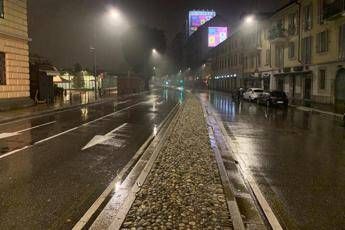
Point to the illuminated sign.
(199, 18)
(217, 35)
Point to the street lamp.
(249, 19)
(252, 20)
(114, 13)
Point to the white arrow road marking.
(68, 131)
(6, 135)
(103, 139)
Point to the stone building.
(300, 49)
(307, 43)
(14, 53)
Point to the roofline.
(285, 6)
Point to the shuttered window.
(342, 42)
(308, 17)
(306, 50)
(279, 57)
(268, 57)
(322, 42)
(291, 50)
(2, 69)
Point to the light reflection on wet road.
(297, 158)
(51, 184)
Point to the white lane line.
(67, 131)
(35, 127)
(6, 135)
(53, 112)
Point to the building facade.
(14, 52)
(299, 49)
(196, 47)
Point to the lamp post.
(251, 20)
(115, 15)
(93, 50)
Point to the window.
(322, 79)
(268, 57)
(279, 57)
(322, 42)
(235, 60)
(342, 42)
(241, 59)
(2, 12)
(291, 50)
(306, 50)
(308, 17)
(259, 36)
(292, 24)
(2, 69)
(258, 58)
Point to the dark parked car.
(273, 98)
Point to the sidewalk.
(320, 108)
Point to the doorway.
(292, 85)
(280, 84)
(340, 91)
(307, 88)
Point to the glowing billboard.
(217, 35)
(199, 18)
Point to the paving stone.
(183, 189)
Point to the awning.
(58, 79)
(51, 72)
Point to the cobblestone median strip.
(183, 189)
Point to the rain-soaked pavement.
(297, 158)
(52, 168)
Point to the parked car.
(252, 94)
(274, 97)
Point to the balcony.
(278, 34)
(334, 10)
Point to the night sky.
(63, 30)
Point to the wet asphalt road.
(297, 158)
(47, 181)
